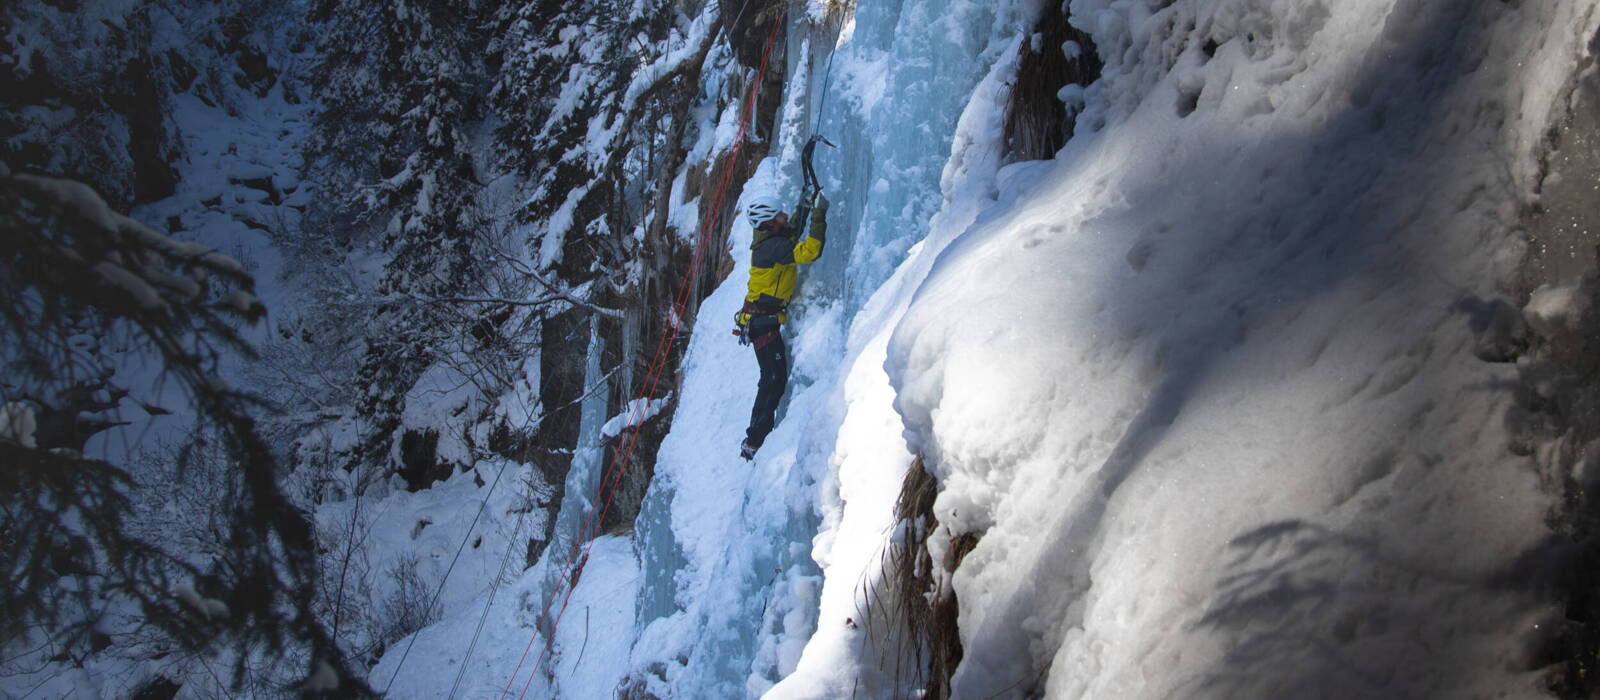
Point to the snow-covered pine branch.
(71, 267)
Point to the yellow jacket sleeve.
(808, 250)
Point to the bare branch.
(519, 266)
(488, 300)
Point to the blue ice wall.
(901, 75)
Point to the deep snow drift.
(1202, 383)
(1258, 457)
(1238, 444)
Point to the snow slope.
(1202, 383)
(1238, 445)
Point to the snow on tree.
(74, 269)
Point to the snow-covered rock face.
(1200, 384)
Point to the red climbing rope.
(613, 476)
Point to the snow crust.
(1556, 308)
(446, 401)
(1238, 445)
(432, 524)
(634, 414)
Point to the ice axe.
(812, 187)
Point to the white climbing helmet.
(762, 208)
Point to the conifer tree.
(76, 272)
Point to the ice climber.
(776, 252)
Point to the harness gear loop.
(741, 329)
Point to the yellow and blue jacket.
(775, 257)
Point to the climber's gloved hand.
(819, 218)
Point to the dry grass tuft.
(1037, 123)
(911, 611)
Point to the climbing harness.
(750, 312)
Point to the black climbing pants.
(773, 358)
